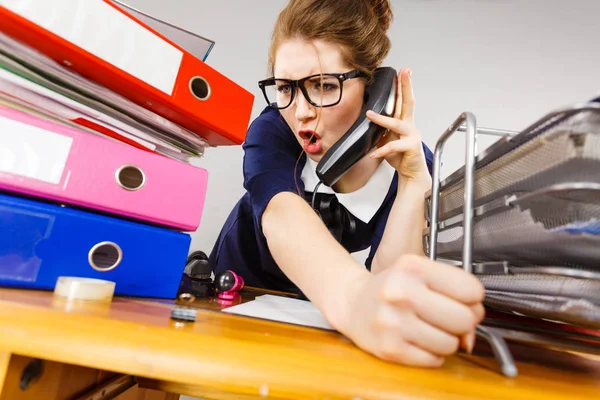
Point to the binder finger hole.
(105, 256)
(130, 177)
(200, 88)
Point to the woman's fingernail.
(410, 72)
(470, 342)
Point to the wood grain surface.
(222, 356)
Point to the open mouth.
(312, 141)
(309, 135)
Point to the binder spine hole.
(105, 256)
(200, 88)
(130, 177)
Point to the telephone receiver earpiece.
(364, 134)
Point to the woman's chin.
(316, 157)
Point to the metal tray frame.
(507, 210)
(466, 122)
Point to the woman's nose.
(304, 110)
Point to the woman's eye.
(283, 89)
(325, 87)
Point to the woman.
(402, 307)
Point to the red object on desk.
(228, 284)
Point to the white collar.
(362, 203)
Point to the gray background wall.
(507, 61)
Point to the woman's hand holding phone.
(416, 312)
(401, 145)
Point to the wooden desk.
(223, 356)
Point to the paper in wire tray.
(557, 225)
(567, 299)
(572, 310)
(566, 295)
(564, 148)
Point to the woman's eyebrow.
(285, 75)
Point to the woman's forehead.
(297, 59)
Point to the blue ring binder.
(41, 241)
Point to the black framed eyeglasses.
(320, 90)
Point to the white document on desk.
(282, 309)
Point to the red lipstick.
(312, 141)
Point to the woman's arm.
(402, 149)
(413, 312)
(309, 255)
(403, 233)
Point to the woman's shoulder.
(269, 127)
(272, 154)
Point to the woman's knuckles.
(400, 289)
(391, 321)
(410, 265)
(392, 349)
(450, 346)
(465, 321)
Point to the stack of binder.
(524, 217)
(101, 114)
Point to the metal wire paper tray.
(575, 311)
(568, 299)
(561, 147)
(529, 204)
(557, 225)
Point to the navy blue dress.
(273, 163)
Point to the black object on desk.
(197, 276)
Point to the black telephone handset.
(364, 134)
